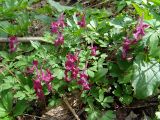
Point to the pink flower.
(35, 63)
(82, 23)
(47, 78)
(72, 57)
(60, 21)
(59, 40)
(126, 47)
(139, 31)
(93, 50)
(40, 76)
(38, 88)
(70, 66)
(75, 71)
(54, 27)
(84, 81)
(13, 43)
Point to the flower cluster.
(13, 43)
(71, 67)
(84, 81)
(82, 22)
(93, 50)
(56, 27)
(138, 34)
(41, 76)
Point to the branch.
(24, 39)
(70, 108)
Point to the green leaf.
(45, 19)
(153, 43)
(109, 115)
(90, 73)
(100, 74)
(58, 6)
(20, 108)
(126, 99)
(7, 100)
(101, 95)
(126, 77)
(20, 95)
(157, 2)
(35, 44)
(3, 112)
(146, 79)
(143, 11)
(158, 114)
(108, 99)
(59, 73)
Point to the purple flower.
(71, 67)
(35, 63)
(126, 47)
(59, 40)
(60, 21)
(84, 81)
(47, 78)
(13, 43)
(38, 88)
(139, 31)
(82, 23)
(54, 27)
(71, 57)
(93, 50)
(75, 71)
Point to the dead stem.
(70, 108)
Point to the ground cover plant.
(106, 57)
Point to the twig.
(5, 68)
(141, 106)
(70, 108)
(24, 39)
(80, 112)
(35, 116)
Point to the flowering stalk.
(41, 76)
(82, 22)
(138, 34)
(56, 27)
(93, 50)
(84, 79)
(70, 67)
(13, 43)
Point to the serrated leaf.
(109, 115)
(108, 99)
(142, 11)
(146, 79)
(59, 73)
(35, 44)
(90, 73)
(7, 100)
(100, 74)
(19, 108)
(3, 112)
(157, 2)
(58, 6)
(20, 95)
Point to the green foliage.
(111, 78)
